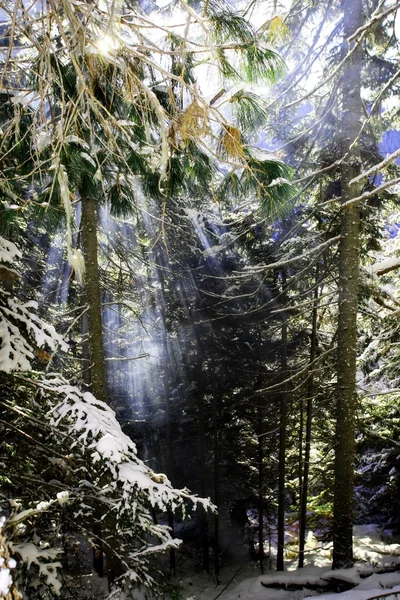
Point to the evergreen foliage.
(214, 219)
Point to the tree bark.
(203, 485)
(280, 564)
(216, 407)
(260, 452)
(348, 288)
(168, 417)
(114, 567)
(93, 299)
(301, 457)
(85, 349)
(310, 394)
(170, 452)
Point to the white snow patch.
(5, 569)
(368, 583)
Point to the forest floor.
(376, 573)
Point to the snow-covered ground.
(375, 551)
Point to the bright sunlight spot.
(107, 45)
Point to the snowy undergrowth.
(373, 550)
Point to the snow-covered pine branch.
(390, 158)
(7, 564)
(384, 266)
(128, 487)
(20, 328)
(20, 539)
(294, 259)
(94, 426)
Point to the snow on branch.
(390, 158)
(8, 251)
(127, 488)
(7, 564)
(373, 192)
(20, 328)
(289, 261)
(93, 424)
(384, 266)
(36, 553)
(43, 558)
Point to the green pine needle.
(199, 167)
(225, 65)
(249, 110)
(261, 63)
(228, 27)
(230, 188)
(122, 200)
(269, 180)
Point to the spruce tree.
(349, 266)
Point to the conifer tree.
(115, 115)
(349, 266)
(119, 115)
(308, 127)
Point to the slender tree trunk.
(216, 405)
(260, 452)
(168, 416)
(170, 456)
(310, 395)
(203, 475)
(301, 457)
(348, 288)
(280, 565)
(170, 451)
(85, 349)
(97, 549)
(93, 299)
(114, 565)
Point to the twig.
(229, 582)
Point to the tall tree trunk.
(170, 452)
(301, 457)
(216, 407)
(168, 417)
(348, 288)
(260, 452)
(168, 413)
(93, 299)
(280, 564)
(310, 394)
(203, 485)
(85, 349)
(114, 565)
